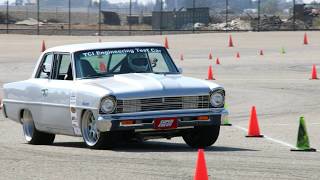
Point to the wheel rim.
(28, 125)
(90, 132)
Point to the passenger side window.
(158, 63)
(62, 67)
(45, 67)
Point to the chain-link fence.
(130, 17)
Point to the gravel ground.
(277, 84)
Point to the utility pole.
(69, 16)
(161, 9)
(38, 17)
(259, 9)
(193, 14)
(7, 17)
(294, 15)
(99, 31)
(227, 13)
(130, 14)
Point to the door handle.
(44, 92)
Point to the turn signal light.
(127, 122)
(203, 118)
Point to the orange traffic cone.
(43, 46)
(102, 67)
(305, 39)
(261, 52)
(254, 130)
(166, 44)
(181, 57)
(314, 73)
(210, 73)
(238, 55)
(201, 172)
(217, 61)
(210, 56)
(230, 41)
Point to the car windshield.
(106, 62)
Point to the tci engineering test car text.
(112, 92)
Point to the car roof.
(101, 45)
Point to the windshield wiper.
(164, 73)
(97, 76)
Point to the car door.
(56, 101)
(37, 87)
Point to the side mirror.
(180, 70)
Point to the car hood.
(145, 85)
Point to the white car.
(113, 92)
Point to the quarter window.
(45, 67)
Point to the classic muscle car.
(112, 92)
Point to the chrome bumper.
(111, 122)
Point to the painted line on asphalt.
(288, 124)
(276, 80)
(268, 138)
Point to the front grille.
(162, 103)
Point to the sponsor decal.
(73, 100)
(166, 123)
(74, 117)
(121, 51)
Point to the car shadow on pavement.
(70, 144)
(154, 146)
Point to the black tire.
(201, 136)
(92, 137)
(31, 134)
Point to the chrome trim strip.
(165, 114)
(155, 130)
(170, 96)
(180, 111)
(47, 104)
(21, 102)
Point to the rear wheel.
(31, 134)
(92, 137)
(202, 136)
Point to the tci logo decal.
(165, 123)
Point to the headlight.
(217, 99)
(108, 105)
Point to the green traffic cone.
(303, 139)
(283, 51)
(225, 121)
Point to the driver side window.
(45, 67)
(62, 67)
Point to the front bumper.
(111, 122)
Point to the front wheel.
(92, 137)
(202, 136)
(31, 134)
